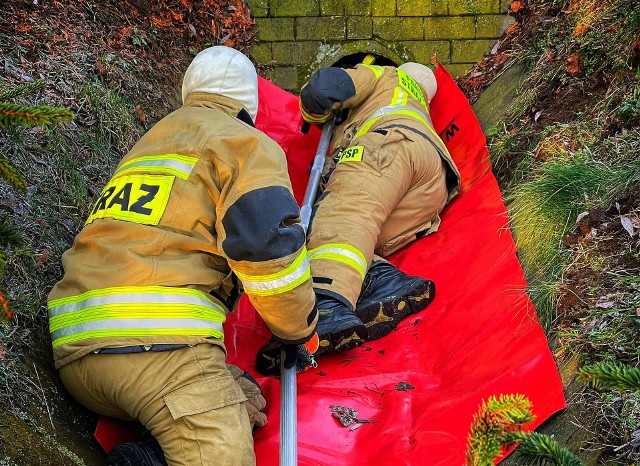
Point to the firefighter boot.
(144, 453)
(388, 296)
(338, 327)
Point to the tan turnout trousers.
(187, 398)
(392, 178)
(377, 204)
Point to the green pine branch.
(494, 420)
(8, 234)
(13, 114)
(607, 376)
(22, 90)
(541, 450)
(9, 173)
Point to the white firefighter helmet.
(423, 76)
(224, 71)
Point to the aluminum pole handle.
(289, 353)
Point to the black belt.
(410, 128)
(139, 349)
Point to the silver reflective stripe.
(252, 284)
(127, 298)
(394, 108)
(120, 324)
(182, 168)
(399, 97)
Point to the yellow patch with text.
(134, 198)
(352, 154)
(411, 86)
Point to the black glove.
(269, 357)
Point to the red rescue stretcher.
(421, 384)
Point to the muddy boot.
(144, 453)
(338, 327)
(388, 296)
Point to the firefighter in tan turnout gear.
(389, 177)
(136, 321)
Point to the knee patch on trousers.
(209, 421)
(204, 396)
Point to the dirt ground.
(140, 47)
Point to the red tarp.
(479, 337)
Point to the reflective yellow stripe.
(400, 97)
(120, 294)
(377, 70)
(280, 282)
(171, 164)
(139, 311)
(134, 311)
(393, 110)
(340, 252)
(369, 59)
(135, 332)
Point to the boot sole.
(342, 340)
(381, 318)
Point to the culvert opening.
(349, 61)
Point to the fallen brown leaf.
(501, 58)
(581, 29)
(8, 314)
(43, 257)
(516, 6)
(512, 28)
(573, 65)
(141, 114)
(99, 66)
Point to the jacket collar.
(226, 104)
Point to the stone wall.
(299, 36)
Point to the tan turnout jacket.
(202, 195)
(390, 175)
(372, 88)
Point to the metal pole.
(288, 354)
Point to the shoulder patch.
(326, 87)
(263, 225)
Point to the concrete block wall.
(299, 36)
